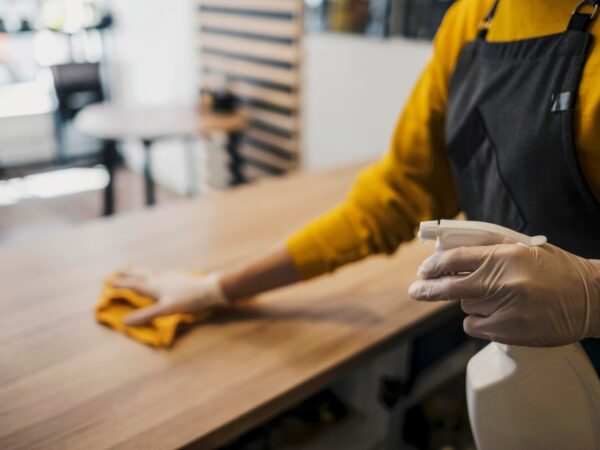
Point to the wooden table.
(67, 382)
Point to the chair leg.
(110, 160)
(59, 138)
(149, 181)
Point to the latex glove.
(174, 292)
(513, 294)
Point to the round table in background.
(117, 122)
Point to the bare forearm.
(271, 270)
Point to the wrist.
(215, 286)
(229, 282)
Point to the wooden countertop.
(67, 382)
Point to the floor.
(35, 216)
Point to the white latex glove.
(513, 294)
(174, 292)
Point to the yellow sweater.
(413, 182)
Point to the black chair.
(78, 85)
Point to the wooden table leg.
(149, 181)
(235, 160)
(110, 160)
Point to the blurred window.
(382, 18)
(368, 17)
(421, 18)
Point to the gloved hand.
(513, 294)
(174, 292)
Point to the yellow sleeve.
(411, 183)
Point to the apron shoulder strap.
(485, 23)
(581, 21)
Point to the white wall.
(155, 50)
(354, 90)
(155, 61)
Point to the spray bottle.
(524, 398)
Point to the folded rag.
(116, 303)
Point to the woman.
(504, 124)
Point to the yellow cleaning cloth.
(116, 303)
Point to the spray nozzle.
(456, 233)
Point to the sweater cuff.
(306, 255)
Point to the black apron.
(510, 137)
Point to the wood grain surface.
(254, 48)
(67, 382)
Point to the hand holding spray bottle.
(524, 398)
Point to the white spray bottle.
(524, 398)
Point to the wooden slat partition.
(259, 72)
(251, 91)
(282, 6)
(271, 27)
(254, 46)
(270, 139)
(277, 121)
(273, 51)
(269, 163)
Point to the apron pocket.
(483, 193)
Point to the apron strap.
(581, 21)
(484, 25)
